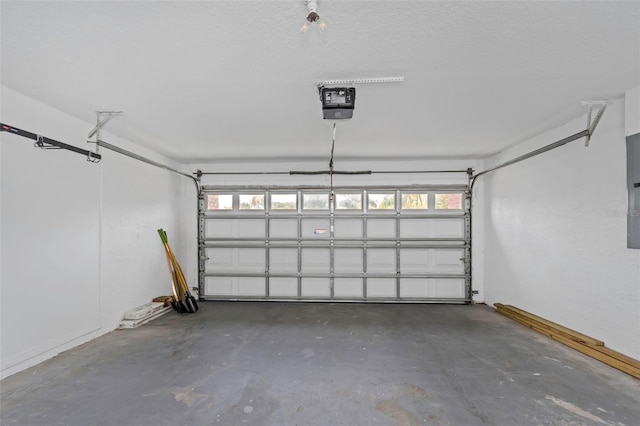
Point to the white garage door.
(382, 244)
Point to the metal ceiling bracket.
(591, 126)
(102, 118)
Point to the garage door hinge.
(475, 291)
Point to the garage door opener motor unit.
(337, 102)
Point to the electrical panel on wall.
(633, 184)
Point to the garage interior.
(347, 258)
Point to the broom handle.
(181, 278)
(172, 272)
(173, 283)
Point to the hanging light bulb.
(313, 16)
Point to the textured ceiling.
(216, 80)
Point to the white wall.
(79, 245)
(555, 234)
(632, 111)
(356, 180)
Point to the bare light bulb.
(312, 5)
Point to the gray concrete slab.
(322, 364)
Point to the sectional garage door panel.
(314, 259)
(240, 286)
(431, 288)
(232, 260)
(348, 228)
(348, 260)
(436, 261)
(401, 245)
(381, 260)
(280, 287)
(381, 228)
(432, 228)
(283, 260)
(316, 288)
(381, 288)
(283, 228)
(348, 288)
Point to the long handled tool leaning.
(188, 300)
(177, 303)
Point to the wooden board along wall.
(578, 341)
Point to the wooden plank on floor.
(617, 355)
(547, 326)
(589, 350)
(593, 353)
(567, 331)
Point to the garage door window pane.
(382, 201)
(349, 201)
(219, 201)
(284, 202)
(251, 201)
(449, 201)
(415, 201)
(315, 201)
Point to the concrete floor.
(322, 364)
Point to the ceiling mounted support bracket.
(591, 125)
(102, 118)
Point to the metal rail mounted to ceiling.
(143, 159)
(48, 143)
(102, 118)
(44, 142)
(586, 133)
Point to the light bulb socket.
(313, 17)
